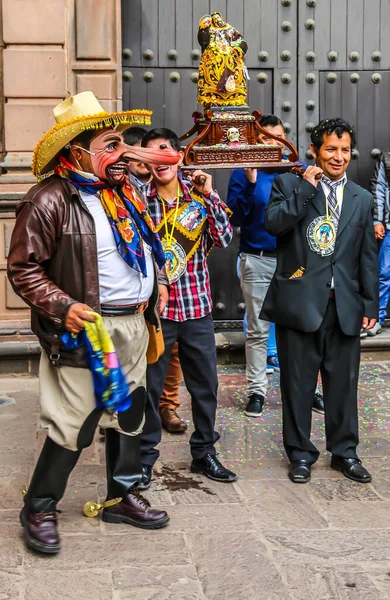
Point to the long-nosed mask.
(110, 156)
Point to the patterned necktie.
(334, 208)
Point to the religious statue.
(226, 135)
(222, 71)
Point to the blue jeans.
(384, 277)
(271, 348)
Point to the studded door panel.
(307, 59)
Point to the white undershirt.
(339, 196)
(118, 283)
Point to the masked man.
(187, 318)
(80, 245)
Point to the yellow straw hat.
(73, 116)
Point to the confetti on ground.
(249, 442)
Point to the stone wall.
(53, 49)
(49, 49)
(34, 75)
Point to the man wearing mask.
(82, 244)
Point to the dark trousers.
(55, 464)
(198, 360)
(337, 357)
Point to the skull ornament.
(233, 135)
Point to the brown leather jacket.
(52, 263)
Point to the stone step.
(231, 344)
(22, 356)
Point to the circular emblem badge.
(321, 236)
(176, 260)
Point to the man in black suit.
(325, 289)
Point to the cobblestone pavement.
(261, 538)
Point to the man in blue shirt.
(248, 196)
(380, 190)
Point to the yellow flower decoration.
(126, 230)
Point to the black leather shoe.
(146, 481)
(40, 531)
(212, 468)
(300, 471)
(318, 403)
(351, 468)
(254, 408)
(135, 510)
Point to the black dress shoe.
(300, 471)
(351, 468)
(146, 480)
(210, 466)
(254, 408)
(318, 403)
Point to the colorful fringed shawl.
(130, 221)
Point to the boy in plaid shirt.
(190, 220)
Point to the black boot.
(123, 462)
(47, 487)
(124, 470)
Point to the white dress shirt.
(118, 282)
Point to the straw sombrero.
(73, 116)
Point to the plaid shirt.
(190, 296)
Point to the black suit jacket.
(301, 303)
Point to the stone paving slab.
(333, 547)
(245, 568)
(176, 581)
(261, 538)
(313, 583)
(281, 505)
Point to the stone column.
(34, 74)
(94, 50)
(51, 49)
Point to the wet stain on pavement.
(174, 480)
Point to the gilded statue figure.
(222, 71)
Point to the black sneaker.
(146, 481)
(254, 408)
(318, 403)
(210, 466)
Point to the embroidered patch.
(192, 216)
(321, 236)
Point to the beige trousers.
(67, 397)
